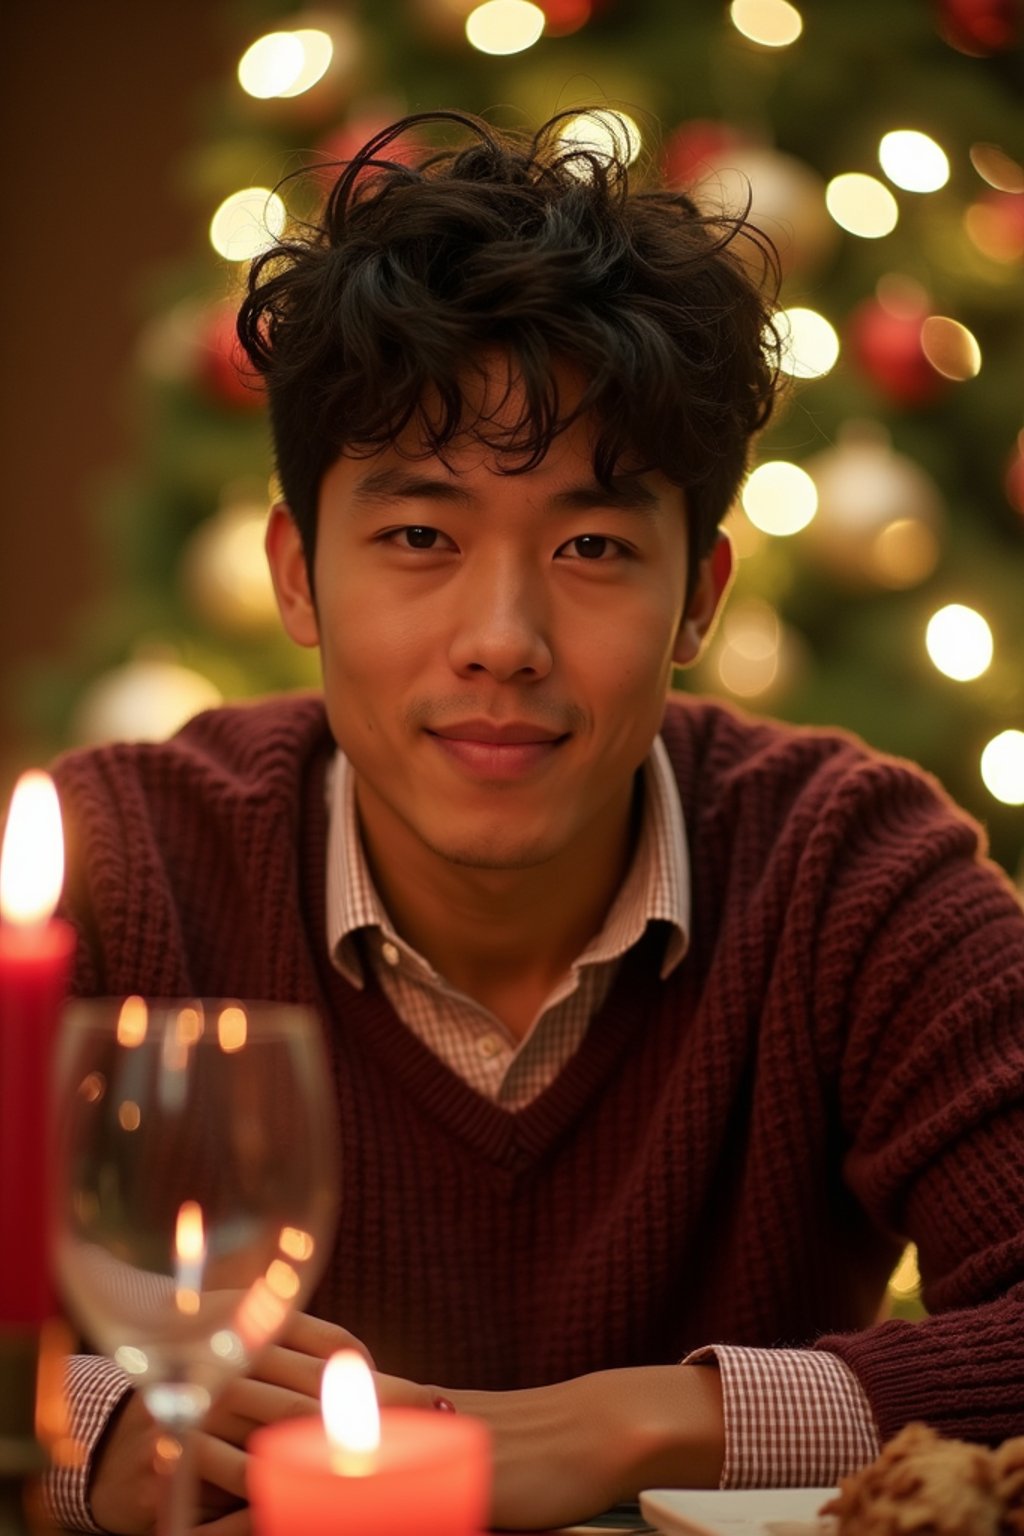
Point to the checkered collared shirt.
(791, 1416)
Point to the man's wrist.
(674, 1431)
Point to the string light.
(609, 135)
(950, 347)
(246, 223)
(959, 642)
(810, 345)
(861, 205)
(780, 498)
(996, 167)
(504, 26)
(772, 23)
(913, 161)
(270, 64)
(1002, 767)
(285, 63)
(317, 53)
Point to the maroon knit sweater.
(733, 1154)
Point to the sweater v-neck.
(364, 1019)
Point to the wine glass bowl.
(195, 1185)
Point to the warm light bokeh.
(780, 498)
(504, 26)
(959, 642)
(861, 205)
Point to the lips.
(510, 733)
(486, 751)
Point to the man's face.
(496, 648)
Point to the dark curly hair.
(380, 312)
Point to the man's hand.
(283, 1382)
(564, 1452)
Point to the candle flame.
(351, 1415)
(32, 861)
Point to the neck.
(499, 933)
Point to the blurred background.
(881, 535)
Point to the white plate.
(731, 1512)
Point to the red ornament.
(222, 367)
(346, 141)
(980, 27)
(696, 148)
(887, 346)
(565, 16)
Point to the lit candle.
(35, 961)
(415, 1473)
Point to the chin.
(493, 853)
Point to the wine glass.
(196, 1187)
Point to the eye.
(594, 547)
(418, 536)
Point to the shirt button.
(488, 1045)
(390, 952)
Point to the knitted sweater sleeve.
(918, 974)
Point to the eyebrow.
(409, 486)
(625, 493)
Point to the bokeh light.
(772, 23)
(903, 553)
(861, 205)
(959, 642)
(810, 345)
(504, 26)
(998, 168)
(317, 53)
(913, 161)
(1002, 767)
(271, 64)
(605, 134)
(995, 225)
(748, 655)
(246, 223)
(780, 498)
(950, 347)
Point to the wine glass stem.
(177, 1498)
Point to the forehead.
(492, 425)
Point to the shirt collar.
(656, 887)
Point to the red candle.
(35, 961)
(428, 1474)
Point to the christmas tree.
(881, 535)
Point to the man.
(656, 1032)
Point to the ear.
(713, 577)
(287, 562)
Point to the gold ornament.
(880, 517)
(224, 571)
(787, 203)
(146, 699)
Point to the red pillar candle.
(35, 961)
(427, 1474)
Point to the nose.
(500, 622)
